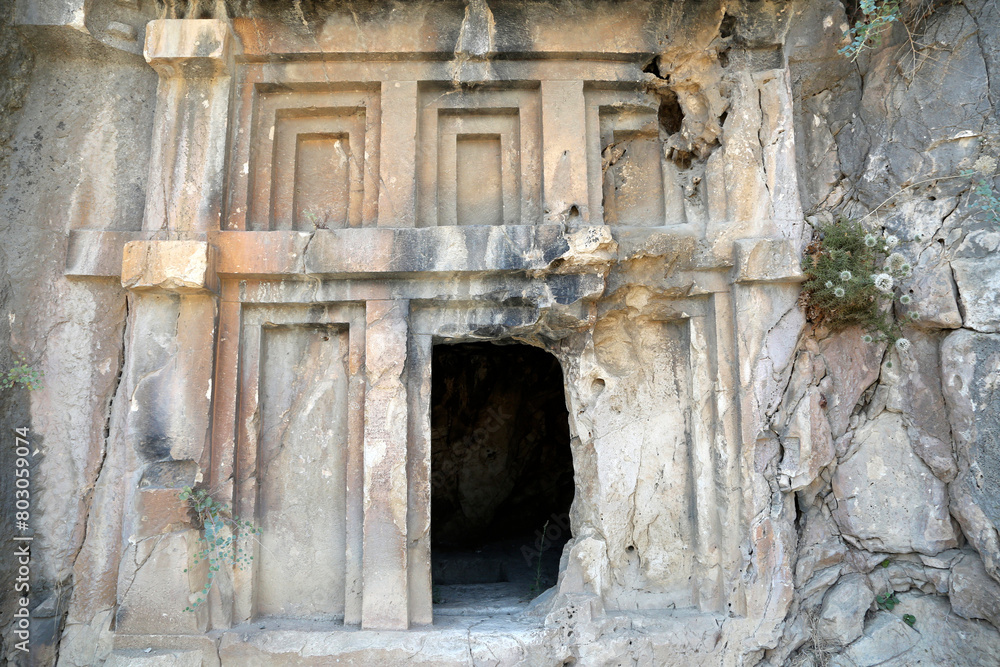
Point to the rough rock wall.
(15, 64)
(896, 489)
(77, 157)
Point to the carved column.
(171, 331)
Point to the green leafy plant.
(985, 195)
(887, 601)
(221, 534)
(852, 273)
(886, 562)
(21, 374)
(909, 619)
(867, 30)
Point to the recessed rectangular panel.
(277, 176)
(302, 462)
(322, 181)
(479, 180)
(631, 163)
(318, 153)
(630, 184)
(634, 180)
(456, 162)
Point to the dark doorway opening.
(501, 475)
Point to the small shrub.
(867, 31)
(220, 535)
(852, 274)
(986, 198)
(21, 374)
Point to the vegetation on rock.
(220, 535)
(852, 277)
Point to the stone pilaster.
(168, 374)
(385, 604)
(194, 59)
(565, 155)
(172, 330)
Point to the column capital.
(193, 48)
(184, 267)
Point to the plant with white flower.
(852, 276)
(883, 282)
(867, 338)
(903, 344)
(895, 262)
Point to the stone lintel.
(194, 48)
(767, 261)
(378, 252)
(173, 266)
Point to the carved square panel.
(625, 158)
(478, 157)
(313, 159)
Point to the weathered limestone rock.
(842, 618)
(820, 547)
(912, 386)
(853, 367)
(176, 266)
(978, 282)
(937, 637)
(157, 658)
(932, 287)
(155, 590)
(621, 184)
(886, 498)
(886, 637)
(807, 442)
(969, 368)
(973, 593)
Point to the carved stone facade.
(325, 210)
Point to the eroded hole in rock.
(670, 115)
(501, 474)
